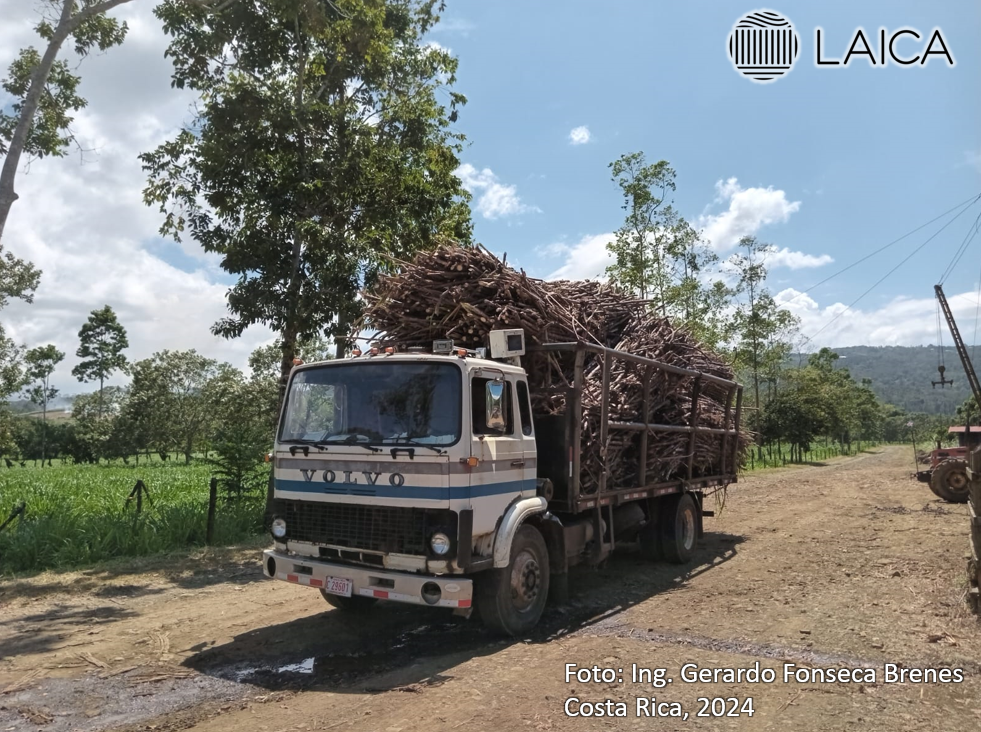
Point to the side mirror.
(496, 409)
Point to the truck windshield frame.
(383, 403)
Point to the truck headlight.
(440, 544)
(278, 528)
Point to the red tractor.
(947, 475)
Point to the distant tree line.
(177, 403)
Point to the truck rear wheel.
(353, 603)
(949, 481)
(511, 599)
(678, 528)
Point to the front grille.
(393, 530)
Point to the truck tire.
(950, 482)
(678, 528)
(356, 603)
(511, 599)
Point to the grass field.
(79, 514)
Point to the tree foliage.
(167, 405)
(760, 328)
(321, 149)
(659, 255)
(102, 341)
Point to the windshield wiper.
(413, 443)
(351, 439)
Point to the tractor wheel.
(950, 482)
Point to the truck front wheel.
(511, 600)
(679, 528)
(354, 603)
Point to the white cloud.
(494, 199)
(795, 260)
(585, 260)
(579, 135)
(903, 321)
(749, 209)
(83, 222)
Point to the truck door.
(498, 443)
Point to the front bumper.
(401, 587)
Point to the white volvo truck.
(427, 478)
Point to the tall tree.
(102, 342)
(41, 363)
(321, 150)
(659, 255)
(761, 326)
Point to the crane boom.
(972, 377)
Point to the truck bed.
(626, 472)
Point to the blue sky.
(868, 153)
(826, 164)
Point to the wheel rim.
(957, 481)
(688, 529)
(526, 581)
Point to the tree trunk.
(44, 423)
(67, 24)
(101, 379)
(292, 328)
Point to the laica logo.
(763, 46)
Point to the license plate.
(338, 586)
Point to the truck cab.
(393, 473)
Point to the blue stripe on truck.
(423, 492)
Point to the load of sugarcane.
(463, 293)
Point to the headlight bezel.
(278, 528)
(445, 541)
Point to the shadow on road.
(340, 651)
(45, 631)
(211, 568)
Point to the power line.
(901, 263)
(969, 202)
(960, 251)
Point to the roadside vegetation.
(82, 514)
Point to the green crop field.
(79, 514)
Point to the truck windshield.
(383, 403)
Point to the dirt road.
(849, 565)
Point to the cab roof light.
(389, 351)
(356, 352)
(461, 352)
(297, 361)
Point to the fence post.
(212, 504)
